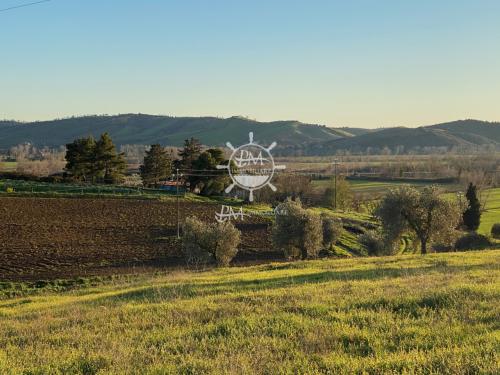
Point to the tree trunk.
(304, 253)
(423, 247)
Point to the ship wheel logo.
(251, 166)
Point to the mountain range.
(293, 137)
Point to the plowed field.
(55, 238)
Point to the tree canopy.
(91, 161)
(425, 213)
(189, 153)
(157, 166)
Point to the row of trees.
(88, 160)
(94, 161)
(197, 167)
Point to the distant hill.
(475, 131)
(466, 134)
(171, 131)
(293, 137)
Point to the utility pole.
(335, 163)
(177, 194)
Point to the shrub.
(225, 239)
(495, 231)
(472, 241)
(442, 248)
(194, 241)
(297, 232)
(313, 235)
(332, 230)
(446, 242)
(204, 243)
(291, 252)
(341, 199)
(373, 242)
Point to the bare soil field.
(48, 238)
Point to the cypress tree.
(472, 215)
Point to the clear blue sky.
(364, 63)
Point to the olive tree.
(204, 243)
(297, 231)
(426, 214)
(332, 230)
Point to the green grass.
(8, 166)
(491, 215)
(435, 314)
(45, 189)
(378, 187)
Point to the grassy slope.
(378, 187)
(413, 314)
(491, 215)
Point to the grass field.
(8, 166)
(28, 188)
(435, 314)
(491, 215)
(378, 187)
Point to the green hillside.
(482, 130)
(293, 137)
(465, 136)
(172, 131)
(434, 314)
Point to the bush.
(472, 241)
(297, 232)
(204, 243)
(495, 231)
(332, 230)
(313, 235)
(373, 242)
(442, 248)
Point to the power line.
(24, 5)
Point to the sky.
(361, 63)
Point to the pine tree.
(109, 166)
(214, 181)
(472, 215)
(190, 152)
(80, 158)
(157, 166)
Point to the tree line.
(88, 160)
